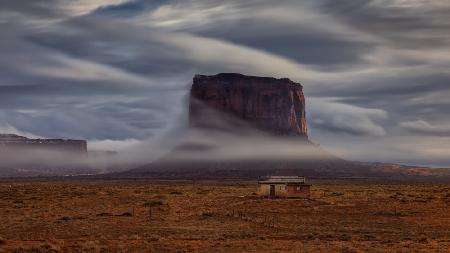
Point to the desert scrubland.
(187, 216)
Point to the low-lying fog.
(223, 138)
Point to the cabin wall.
(283, 190)
(280, 190)
(298, 191)
(263, 189)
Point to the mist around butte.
(119, 74)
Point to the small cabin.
(284, 187)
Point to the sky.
(376, 73)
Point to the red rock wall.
(273, 105)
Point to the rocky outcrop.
(274, 105)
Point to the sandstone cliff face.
(274, 105)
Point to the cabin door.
(272, 191)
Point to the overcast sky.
(376, 73)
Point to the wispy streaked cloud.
(424, 127)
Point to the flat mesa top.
(14, 138)
(8, 137)
(238, 76)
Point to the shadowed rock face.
(273, 105)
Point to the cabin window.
(298, 188)
(280, 187)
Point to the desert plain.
(221, 216)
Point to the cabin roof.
(283, 180)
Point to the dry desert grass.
(149, 216)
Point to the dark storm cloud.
(40, 8)
(372, 70)
(414, 24)
(289, 38)
(54, 95)
(297, 42)
(130, 8)
(133, 50)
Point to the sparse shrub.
(328, 236)
(104, 214)
(153, 238)
(423, 240)
(202, 191)
(65, 218)
(348, 250)
(2, 241)
(30, 250)
(18, 250)
(310, 237)
(152, 203)
(45, 246)
(369, 237)
(176, 193)
(205, 215)
(345, 237)
(104, 250)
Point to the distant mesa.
(24, 157)
(276, 106)
(16, 142)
